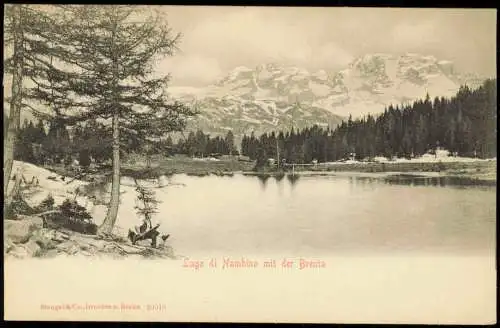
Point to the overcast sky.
(217, 39)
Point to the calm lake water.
(325, 215)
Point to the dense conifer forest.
(465, 125)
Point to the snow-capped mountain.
(273, 96)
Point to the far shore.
(475, 169)
(461, 179)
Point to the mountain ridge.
(263, 98)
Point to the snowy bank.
(62, 188)
(441, 156)
(31, 235)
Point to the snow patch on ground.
(61, 190)
(442, 156)
(49, 183)
(205, 159)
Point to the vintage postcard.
(249, 164)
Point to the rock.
(44, 238)
(144, 243)
(20, 231)
(26, 238)
(35, 220)
(131, 249)
(74, 249)
(18, 252)
(51, 253)
(8, 245)
(112, 248)
(69, 247)
(29, 249)
(98, 244)
(32, 248)
(88, 242)
(60, 236)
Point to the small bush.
(71, 216)
(18, 206)
(73, 210)
(46, 205)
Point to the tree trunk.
(106, 227)
(109, 222)
(16, 102)
(13, 193)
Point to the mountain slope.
(272, 96)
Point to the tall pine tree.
(112, 51)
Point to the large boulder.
(29, 249)
(37, 221)
(17, 252)
(32, 248)
(20, 231)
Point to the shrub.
(76, 218)
(18, 206)
(73, 210)
(46, 205)
(71, 216)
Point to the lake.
(324, 216)
(407, 250)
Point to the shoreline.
(391, 176)
(27, 237)
(478, 170)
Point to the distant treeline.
(93, 141)
(201, 144)
(37, 146)
(465, 125)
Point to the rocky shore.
(26, 237)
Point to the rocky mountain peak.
(262, 98)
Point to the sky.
(218, 39)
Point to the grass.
(183, 164)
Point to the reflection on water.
(407, 180)
(279, 176)
(293, 178)
(263, 179)
(402, 179)
(315, 215)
